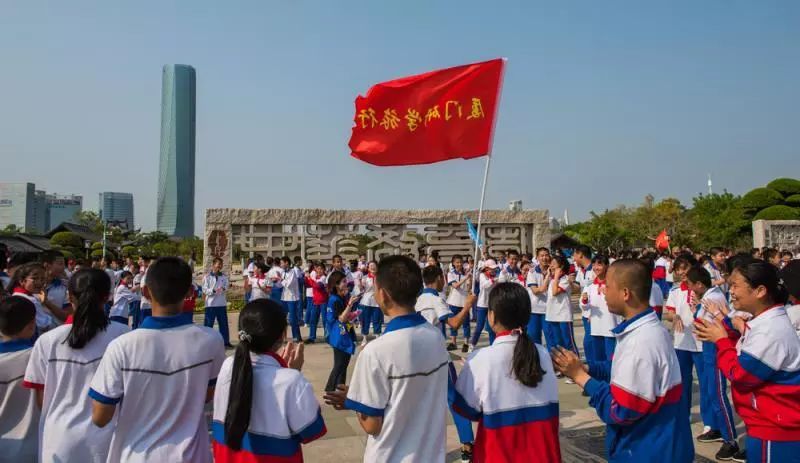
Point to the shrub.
(793, 200)
(761, 198)
(785, 186)
(778, 213)
(66, 240)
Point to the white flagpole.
(486, 170)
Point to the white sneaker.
(569, 381)
(706, 429)
(471, 348)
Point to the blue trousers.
(463, 425)
(135, 312)
(465, 328)
(716, 387)
(292, 308)
(219, 314)
(560, 334)
(686, 360)
(603, 348)
(312, 319)
(535, 326)
(247, 296)
(371, 316)
(770, 451)
(275, 294)
(481, 321)
(119, 319)
(588, 342)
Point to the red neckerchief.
(521, 277)
(491, 278)
(509, 332)
(685, 287)
(21, 290)
(277, 358)
(600, 283)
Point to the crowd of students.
(77, 383)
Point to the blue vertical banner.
(473, 233)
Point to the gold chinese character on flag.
(390, 119)
(413, 119)
(433, 113)
(367, 115)
(477, 109)
(457, 107)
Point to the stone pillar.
(218, 242)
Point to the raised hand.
(336, 398)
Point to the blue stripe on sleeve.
(363, 409)
(103, 399)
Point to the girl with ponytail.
(263, 406)
(510, 388)
(61, 367)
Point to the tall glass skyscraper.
(175, 215)
(117, 208)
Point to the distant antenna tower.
(710, 191)
(566, 218)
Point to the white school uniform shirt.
(485, 284)
(716, 274)
(19, 414)
(602, 320)
(137, 281)
(260, 288)
(56, 292)
(211, 284)
(162, 371)
(123, 297)
(291, 287)
(507, 275)
(358, 283)
(535, 279)
(713, 294)
(431, 306)
(275, 274)
(793, 311)
(44, 320)
(402, 376)
(284, 412)
(559, 307)
(656, 296)
(507, 410)
(368, 299)
(143, 282)
(309, 288)
(66, 430)
(679, 301)
(457, 296)
(584, 276)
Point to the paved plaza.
(582, 433)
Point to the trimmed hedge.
(785, 186)
(793, 200)
(761, 198)
(780, 212)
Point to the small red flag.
(662, 241)
(427, 118)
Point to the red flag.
(427, 118)
(662, 241)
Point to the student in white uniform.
(260, 285)
(28, 282)
(290, 297)
(538, 280)
(558, 320)
(370, 312)
(275, 275)
(790, 274)
(146, 308)
(263, 406)
(56, 289)
(215, 286)
(656, 294)
(510, 388)
(61, 367)
(19, 414)
(166, 371)
(602, 321)
(123, 298)
(399, 383)
(486, 281)
(458, 282)
(584, 276)
(716, 268)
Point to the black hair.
(684, 259)
(270, 261)
(20, 259)
(754, 251)
(715, 250)
(583, 249)
(602, 258)
(90, 287)
(562, 262)
(217, 259)
(538, 250)
(648, 262)
(770, 253)
(261, 324)
(512, 252)
(262, 267)
(169, 280)
(698, 274)
(125, 274)
(634, 275)
(259, 257)
(50, 256)
(333, 282)
(15, 314)
(456, 256)
(22, 272)
(510, 304)
(401, 278)
(787, 253)
(298, 260)
(766, 275)
(738, 260)
(336, 256)
(286, 259)
(431, 273)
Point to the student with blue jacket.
(339, 322)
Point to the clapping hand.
(710, 331)
(569, 364)
(336, 398)
(293, 355)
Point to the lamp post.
(87, 245)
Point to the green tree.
(779, 212)
(67, 240)
(785, 186)
(90, 219)
(718, 220)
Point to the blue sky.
(603, 103)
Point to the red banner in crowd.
(427, 118)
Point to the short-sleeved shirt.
(656, 297)
(535, 279)
(163, 371)
(57, 293)
(64, 373)
(485, 286)
(679, 301)
(261, 287)
(516, 423)
(19, 414)
(284, 413)
(793, 311)
(602, 320)
(716, 274)
(559, 307)
(368, 296)
(123, 297)
(457, 296)
(402, 377)
(143, 282)
(431, 306)
(44, 319)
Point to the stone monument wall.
(321, 233)
(778, 234)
